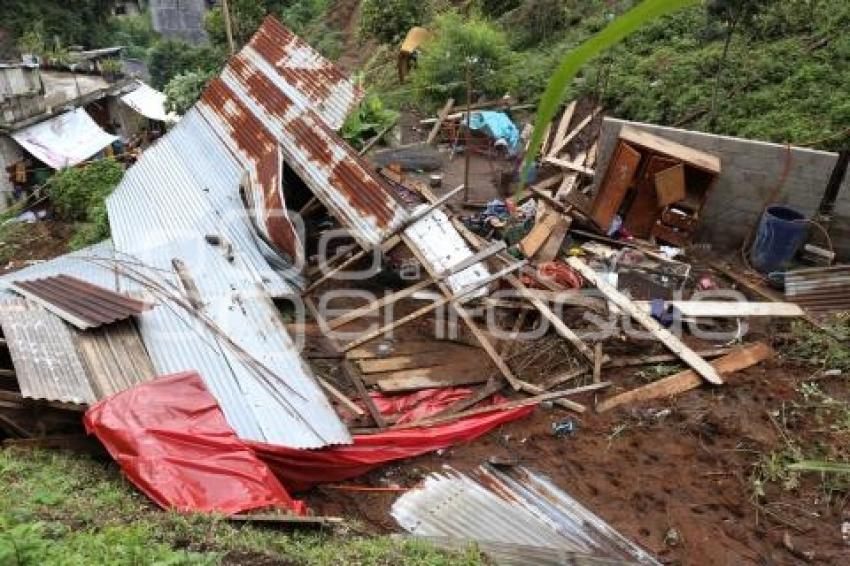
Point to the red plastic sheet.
(300, 469)
(171, 439)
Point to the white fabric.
(150, 103)
(65, 140)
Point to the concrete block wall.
(750, 172)
(180, 19)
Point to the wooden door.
(618, 179)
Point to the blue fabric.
(496, 125)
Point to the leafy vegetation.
(58, 508)
(819, 349)
(368, 120)
(171, 57)
(462, 41)
(185, 89)
(388, 21)
(79, 194)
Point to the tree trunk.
(721, 65)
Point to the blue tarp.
(498, 126)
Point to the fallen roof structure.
(64, 140)
(512, 506)
(79, 303)
(149, 102)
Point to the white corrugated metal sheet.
(512, 506)
(280, 405)
(149, 102)
(65, 140)
(44, 353)
(442, 247)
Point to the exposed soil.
(41, 240)
(675, 476)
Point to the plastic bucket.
(780, 234)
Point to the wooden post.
(466, 149)
(228, 30)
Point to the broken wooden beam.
(432, 135)
(563, 124)
(662, 334)
(736, 360)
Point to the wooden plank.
(347, 367)
(597, 362)
(373, 306)
(689, 155)
(341, 398)
(736, 360)
(539, 233)
(561, 132)
(385, 246)
(466, 317)
(670, 185)
(618, 178)
(665, 336)
(425, 378)
(432, 136)
(440, 358)
(552, 246)
(555, 150)
(562, 377)
(449, 298)
(725, 309)
(571, 165)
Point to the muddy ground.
(678, 476)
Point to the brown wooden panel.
(644, 210)
(670, 185)
(618, 178)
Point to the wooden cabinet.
(658, 186)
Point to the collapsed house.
(173, 328)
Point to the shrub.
(367, 121)
(388, 21)
(441, 70)
(79, 194)
(185, 89)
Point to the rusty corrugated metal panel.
(257, 150)
(78, 302)
(510, 506)
(300, 71)
(820, 289)
(359, 199)
(56, 362)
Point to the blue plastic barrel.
(780, 234)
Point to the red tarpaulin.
(171, 439)
(300, 469)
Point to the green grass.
(62, 508)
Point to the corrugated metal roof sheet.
(512, 506)
(442, 247)
(149, 102)
(56, 362)
(819, 289)
(42, 348)
(64, 140)
(277, 101)
(307, 77)
(78, 302)
(285, 407)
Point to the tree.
(732, 14)
(169, 58)
(441, 68)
